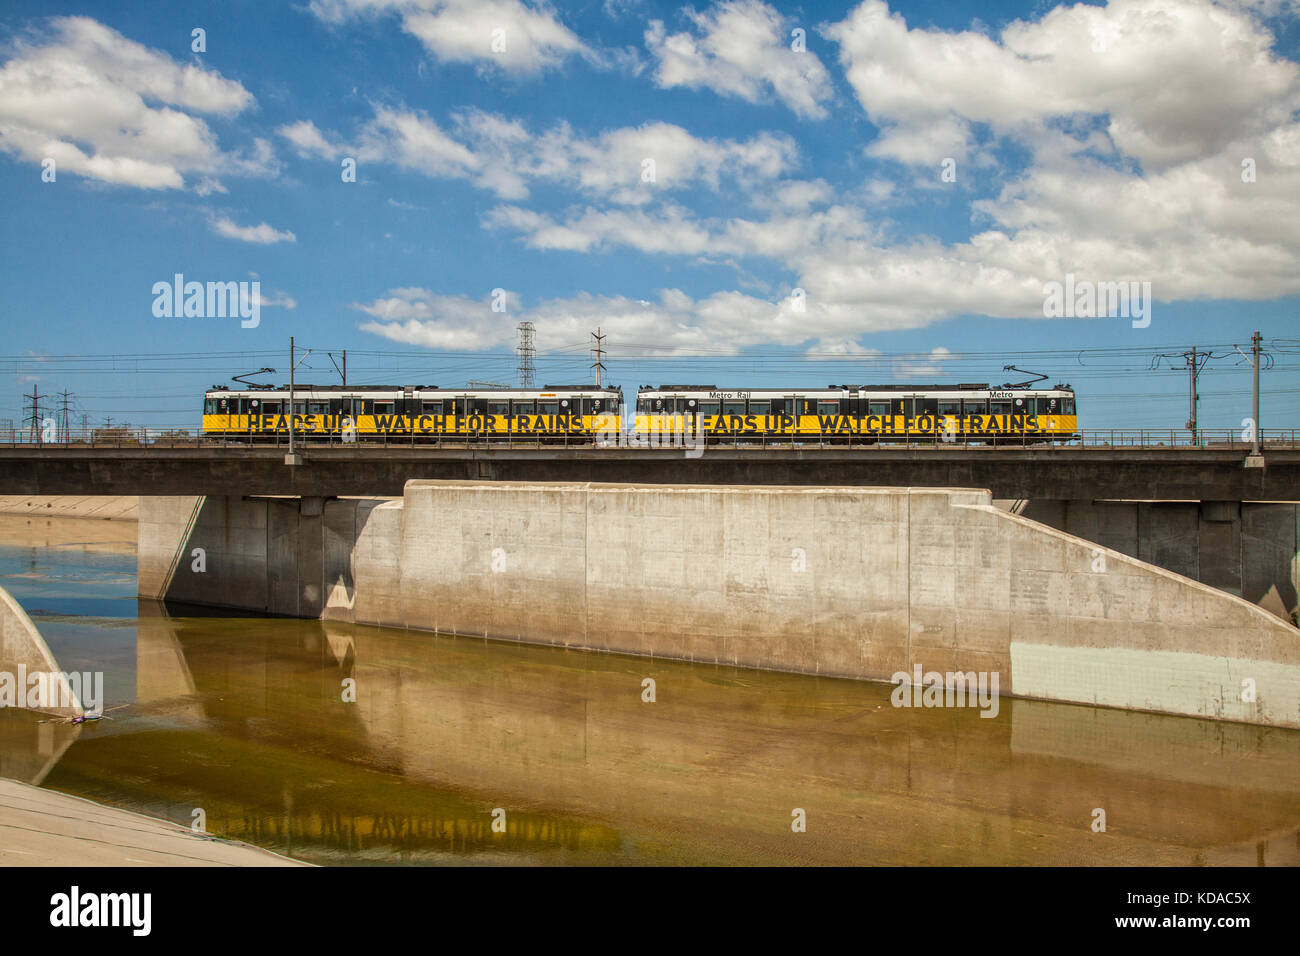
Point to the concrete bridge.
(1062, 473)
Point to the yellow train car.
(569, 414)
(860, 414)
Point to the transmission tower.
(526, 351)
(65, 412)
(32, 414)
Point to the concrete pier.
(849, 582)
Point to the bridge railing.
(1099, 438)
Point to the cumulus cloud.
(741, 48)
(1176, 79)
(628, 165)
(276, 300)
(308, 141)
(110, 109)
(262, 233)
(517, 37)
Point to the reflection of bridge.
(1079, 472)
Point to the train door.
(688, 410)
(925, 412)
(349, 413)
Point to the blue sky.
(1106, 142)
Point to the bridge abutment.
(849, 582)
(1249, 548)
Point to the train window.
(524, 408)
(709, 408)
(760, 408)
(318, 408)
(733, 408)
(498, 408)
(682, 407)
(974, 406)
(548, 408)
(270, 408)
(431, 408)
(999, 408)
(1049, 406)
(949, 408)
(828, 408)
(383, 408)
(1067, 406)
(877, 408)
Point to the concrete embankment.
(45, 828)
(110, 507)
(849, 582)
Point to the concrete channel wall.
(847, 582)
(1247, 548)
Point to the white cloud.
(629, 165)
(514, 36)
(308, 140)
(277, 300)
(262, 233)
(108, 108)
(742, 48)
(1177, 79)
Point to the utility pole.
(291, 458)
(1193, 361)
(599, 352)
(1257, 447)
(526, 351)
(1256, 358)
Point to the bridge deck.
(1063, 472)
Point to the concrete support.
(29, 674)
(848, 582)
(287, 556)
(1249, 549)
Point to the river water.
(244, 723)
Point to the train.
(669, 414)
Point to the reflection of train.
(586, 413)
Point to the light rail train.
(582, 414)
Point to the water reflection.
(246, 718)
